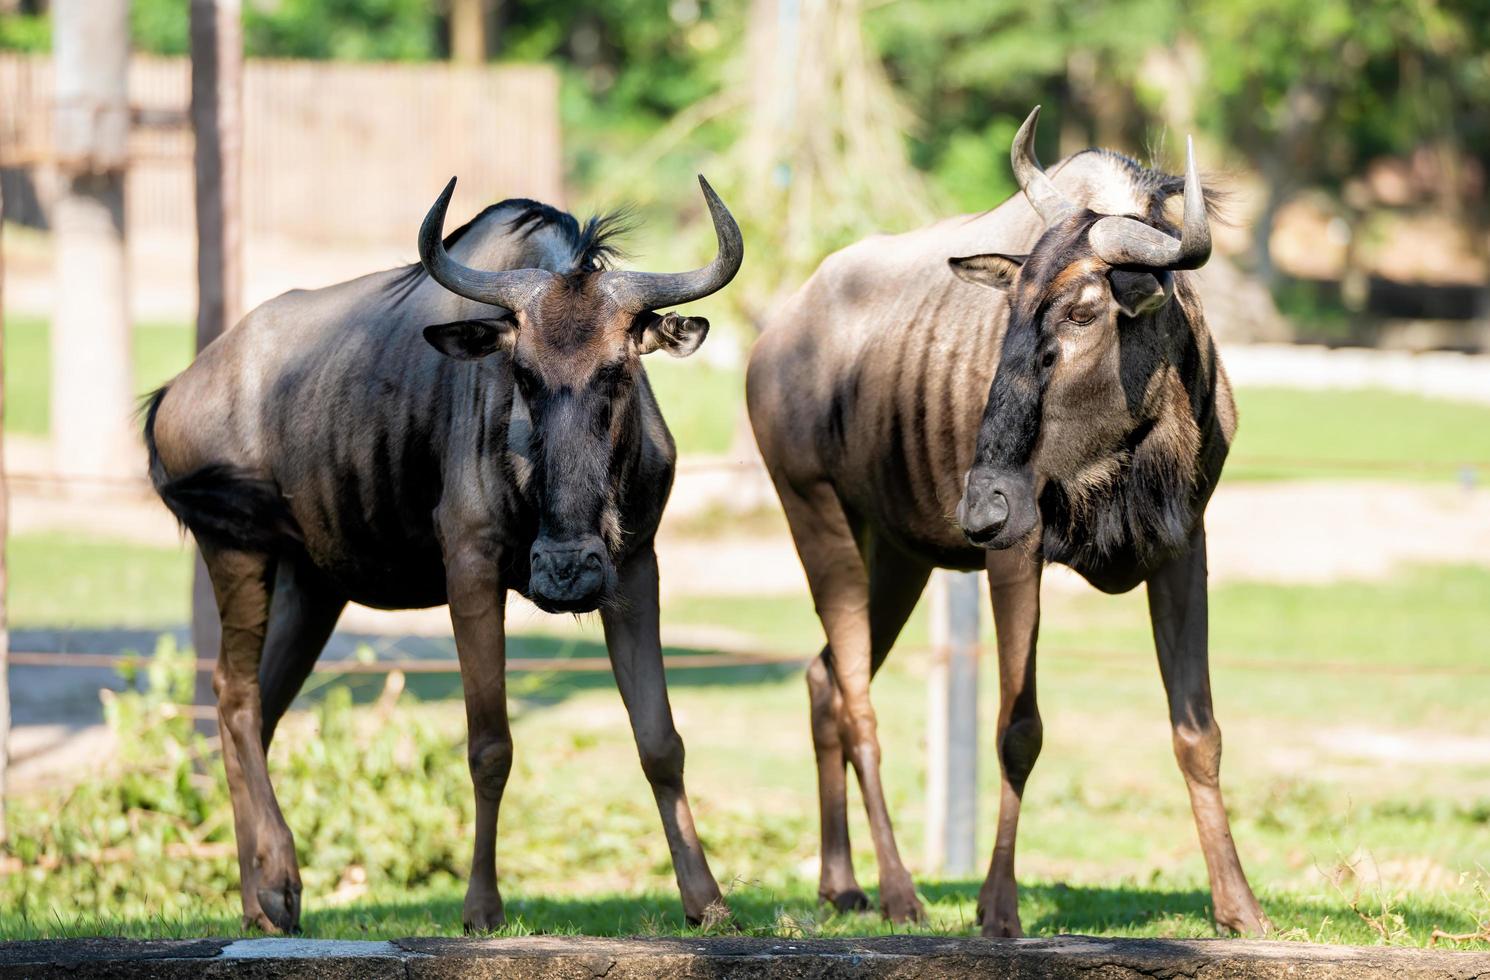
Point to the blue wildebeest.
(1075, 412)
(432, 435)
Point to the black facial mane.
(593, 245)
(1147, 511)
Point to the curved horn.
(1050, 204)
(639, 291)
(1128, 241)
(511, 288)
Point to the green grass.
(1356, 772)
(701, 403)
(160, 351)
(71, 580)
(1288, 433)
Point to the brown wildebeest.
(1075, 413)
(423, 436)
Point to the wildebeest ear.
(994, 270)
(675, 333)
(1137, 293)
(471, 340)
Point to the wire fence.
(735, 659)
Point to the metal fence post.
(952, 724)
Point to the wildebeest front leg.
(269, 875)
(1014, 582)
(631, 634)
(477, 613)
(1178, 610)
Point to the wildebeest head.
(1087, 371)
(573, 342)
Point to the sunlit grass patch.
(1360, 794)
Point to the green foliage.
(160, 26)
(972, 72)
(166, 808)
(1320, 88)
(639, 56)
(25, 32)
(344, 30)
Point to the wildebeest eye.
(527, 383)
(1081, 317)
(612, 377)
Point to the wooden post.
(952, 724)
(217, 122)
(469, 23)
(92, 386)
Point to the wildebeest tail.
(221, 504)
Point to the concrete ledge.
(584, 958)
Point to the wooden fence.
(332, 152)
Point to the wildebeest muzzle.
(570, 576)
(998, 507)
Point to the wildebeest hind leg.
(631, 636)
(1014, 584)
(896, 581)
(839, 581)
(270, 878)
(1178, 610)
(837, 883)
(302, 614)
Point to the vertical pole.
(92, 385)
(952, 729)
(217, 122)
(4, 567)
(936, 728)
(469, 20)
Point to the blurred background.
(1350, 537)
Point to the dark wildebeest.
(423, 436)
(1076, 413)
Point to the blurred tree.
(971, 72)
(823, 160)
(351, 30)
(1309, 93)
(1305, 95)
(348, 30)
(92, 393)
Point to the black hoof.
(852, 900)
(281, 907)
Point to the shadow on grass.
(67, 695)
(1047, 909)
(792, 911)
(543, 687)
